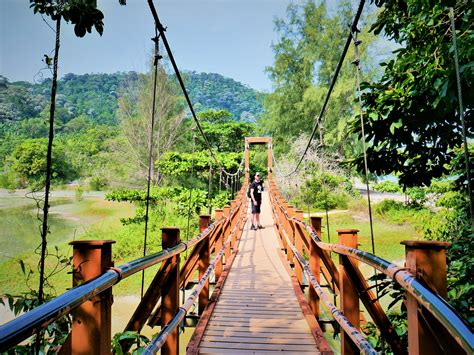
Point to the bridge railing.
(94, 276)
(433, 325)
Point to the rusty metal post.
(315, 266)
(170, 292)
(427, 261)
(299, 245)
(218, 245)
(91, 321)
(204, 256)
(225, 234)
(348, 293)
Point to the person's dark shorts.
(256, 209)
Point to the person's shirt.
(257, 187)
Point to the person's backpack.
(248, 191)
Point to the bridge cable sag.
(331, 87)
(461, 115)
(156, 59)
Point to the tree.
(135, 110)
(306, 55)
(412, 120)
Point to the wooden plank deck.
(257, 311)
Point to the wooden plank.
(269, 323)
(260, 334)
(244, 346)
(259, 340)
(256, 329)
(204, 351)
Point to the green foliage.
(28, 160)
(388, 186)
(310, 42)
(411, 113)
(221, 199)
(139, 342)
(325, 190)
(84, 15)
(214, 91)
(98, 183)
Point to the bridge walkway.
(258, 310)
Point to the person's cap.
(257, 174)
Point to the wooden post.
(299, 246)
(270, 160)
(91, 321)
(315, 266)
(427, 261)
(348, 293)
(218, 245)
(204, 255)
(291, 232)
(225, 234)
(170, 293)
(247, 160)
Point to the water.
(20, 227)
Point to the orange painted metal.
(204, 256)
(349, 297)
(226, 232)
(170, 292)
(290, 231)
(91, 325)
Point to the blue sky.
(229, 37)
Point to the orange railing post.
(290, 231)
(204, 256)
(218, 244)
(348, 293)
(91, 323)
(315, 266)
(298, 238)
(170, 293)
(427, 261)
(226, 232)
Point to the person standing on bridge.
(256, 189)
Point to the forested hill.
(96, 96)
(214, 91)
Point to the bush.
(388, 186)
(98, 183)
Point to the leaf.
(395, 125)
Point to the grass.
(387, 235)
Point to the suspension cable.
(192, 187)
(150, 148)
(331, 87)
(461, 115)
(162, 30)
(356, 62)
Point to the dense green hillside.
(214, 91)
(95, 96)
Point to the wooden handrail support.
(91, 322)
(204, 256)
(427, 261)
(218, 244)
(170, 292)
(299, 238)
(348, 293)
(315, 265)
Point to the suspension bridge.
(277, 289)
(274, 289)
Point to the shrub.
(98, 183)
(388, 186)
